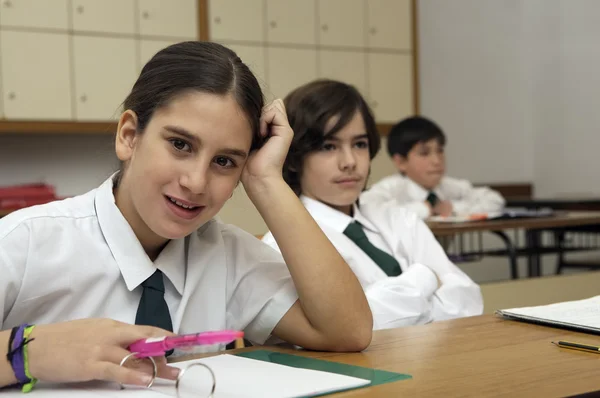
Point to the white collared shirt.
(79, 258)
(413, 297)
(465, 198)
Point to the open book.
(235, 376)
(581, 315)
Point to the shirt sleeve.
(467, 199)
(394, 301)
(261, 285)
(14, 248)
(393, 190)
(458, 296)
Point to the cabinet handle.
(83, 98)
(373, 31)
(273, 24)
(325, 28)
(12, 95)
(145, 15)
(218, 20)
(7, 4)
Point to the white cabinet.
(164, 18)
(111, 16)
(288, 69)
(390, 86)
(105, 70)
(389, 24)
(291, 21)
(34, 14)
(342, 23)
(36, 83)
(346, 66)
(240, 20)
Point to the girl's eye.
(328, 147)
(362, 144)
(224, 162)
(180, 145)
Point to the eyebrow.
(195, 139)
(358, 137)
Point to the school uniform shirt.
(465, 198)
(79, 258)
(413, 297)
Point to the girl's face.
(183, 168)
(337, 173)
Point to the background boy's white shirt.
(412, 297)
(465, 198)
(78, 258)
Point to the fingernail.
(145, 379)
(173, 372)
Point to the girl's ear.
(126, 135)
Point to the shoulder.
(40, 217)
(238, 244)
(391, 181)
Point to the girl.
(406, 275)
(144, 247)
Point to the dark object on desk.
(510, 213)
(589, 203)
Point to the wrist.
(263, 188)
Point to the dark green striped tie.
(432, 198)
(153, 309)
(387, 263)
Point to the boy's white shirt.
(465, 198)
(412, 297)
(79, 258)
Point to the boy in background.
(416, 146)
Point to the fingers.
(113, 372)
(273, 114)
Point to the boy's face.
(425, 164)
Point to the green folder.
(375, 376)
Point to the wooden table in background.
(533, 229)
(482, 356)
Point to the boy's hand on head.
(443, 208)
(267, 162)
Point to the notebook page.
(236, 377)
(581, 312)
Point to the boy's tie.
(153, 309)
(432, 198)
(387, 263)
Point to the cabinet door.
(162, 18)
(289, 68)
(239, 20)
(291, 21)
(255, 58)
(101, 83)
(342, 28)
(148, 48)
(36, 82)
(346, 66)
(111, 16)
(391, 86)
(389, 24)
(34, 14)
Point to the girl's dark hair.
(309, 108)
(195, 66)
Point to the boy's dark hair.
(309, 108)
(410, 131)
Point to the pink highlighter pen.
(158, 346)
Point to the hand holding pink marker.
(158, 346)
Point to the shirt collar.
(334, 219)
(134, 263)
(418, 192)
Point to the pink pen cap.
(157, 346)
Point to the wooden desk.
(481, 356)
(558, 203)
(567, 219)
